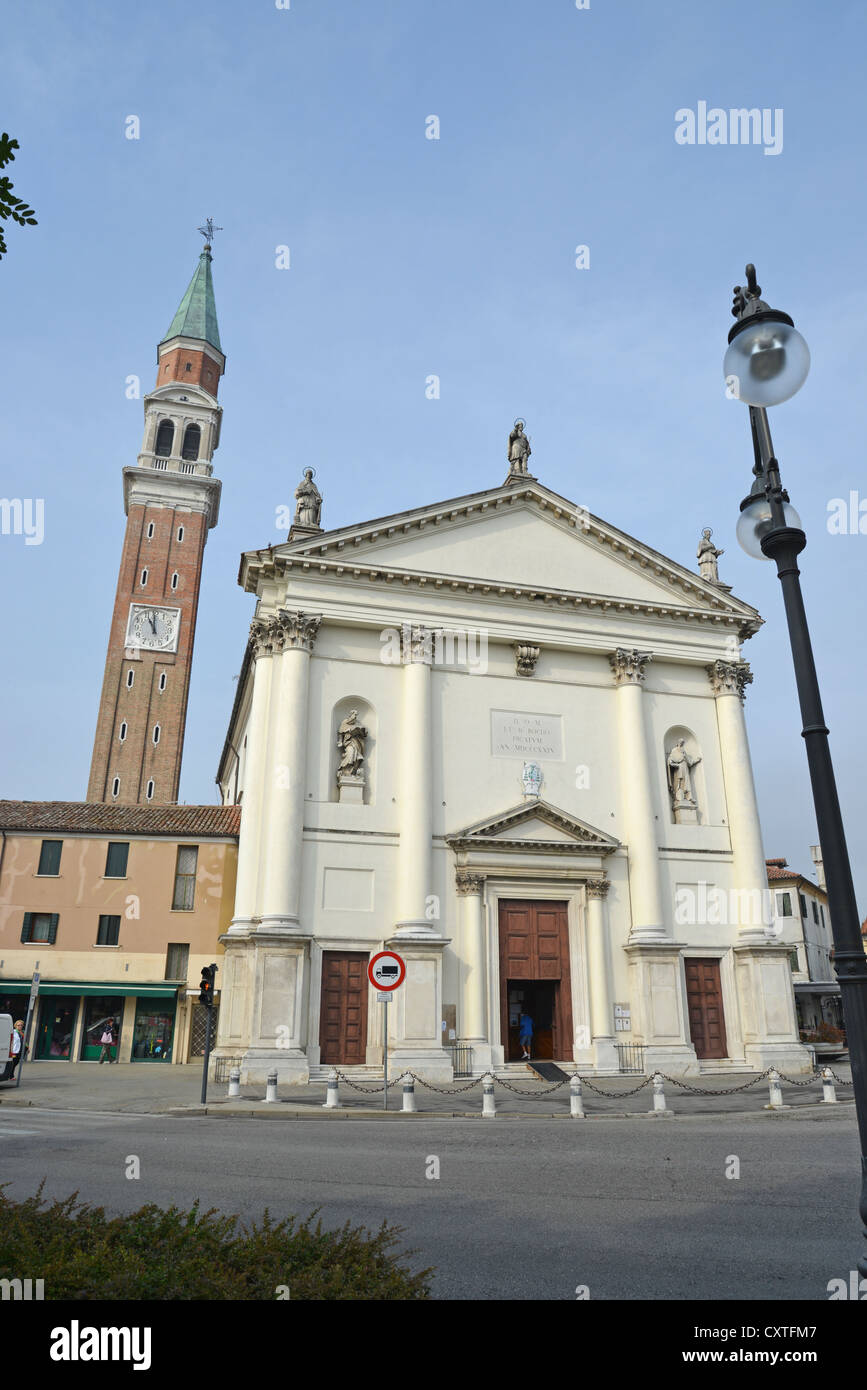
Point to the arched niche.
(684, 777)
(364, 794)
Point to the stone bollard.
(489, 1108)
(829, 1092)
(234, 1082)
(659, 1105)
(775, 1100)
(576, 1104)
(332, 1095)
(408, 1096)
(271, 1089)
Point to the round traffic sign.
(386, 970)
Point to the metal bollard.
(829, 1091)
(332, 1095)
(489, 1108)
(234, 1082)
(775, 1101)
(408, 1096)
(576, 1104)
(271, 1088)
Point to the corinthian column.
(469, 888)
(644, 889)
(416, 790)
(246, 889)
(286, 770)
(599, 971)
(729, 680)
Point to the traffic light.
(206, 984)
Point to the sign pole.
(31, 1005)
(386, 1000)
(386, 971)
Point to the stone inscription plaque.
(518, 735)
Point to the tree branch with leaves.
(10, 206)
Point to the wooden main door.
(343, 1007)
(704, 1000)
(535, 978)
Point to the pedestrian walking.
(525, 1035)
(16, 1042)
(107, 1042)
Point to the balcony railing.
(176, 465)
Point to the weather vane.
(208, 231)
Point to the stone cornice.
(155, 487)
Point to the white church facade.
(506, 740)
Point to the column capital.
(416, 644)
(628, 666)
(526, 656)
(597, 887)
(262, 636)
(468, 884)
(297, 631)
(729, 677)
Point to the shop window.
(49, 857)
(56, 1027)
(108, 932)
(152, 1037)
(116, 860)
(100, 1012)
(185, 878)
(40, 926)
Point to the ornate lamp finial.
(207, 231)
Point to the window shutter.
(25, 930)
(52, 928)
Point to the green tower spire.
(197, 313)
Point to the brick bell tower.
(171, 499)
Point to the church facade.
(506, 740)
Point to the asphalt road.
(528, 1210)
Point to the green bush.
(81, 1253)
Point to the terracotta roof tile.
(101, 819)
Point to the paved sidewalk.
(138, 1088)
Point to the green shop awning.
(90, 987)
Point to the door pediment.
(534, 827)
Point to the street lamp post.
(766, 363)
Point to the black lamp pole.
(783, 542)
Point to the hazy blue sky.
(409, 256)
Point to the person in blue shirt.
(525, 1035)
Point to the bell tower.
(172, 500)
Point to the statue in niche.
(680, 765)
(707, 555)
(519, 449)
(309, 501)
(351, 738)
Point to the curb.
(285, 1112)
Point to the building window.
(150, 531)
(116, 859)
(49, 858)
(108, 932)
(177, 960)
(803, 901)
(793, 961)
(175, 578)
(162, 685)
(165, 439)
(822, 915)
(122, 734)
(156, 733)
(185, 878)
(192, 436)
(144, 578)
(188, 367)
(784, 904)
(115, 786)
(130, 677)
(40, 926)
(180, 533)
(815, 913)
(149, 790)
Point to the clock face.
(155, 629)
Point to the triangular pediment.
(522, 539)
(534, 825)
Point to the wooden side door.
(704, 1002)
(534, 946)
(343, 1008)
